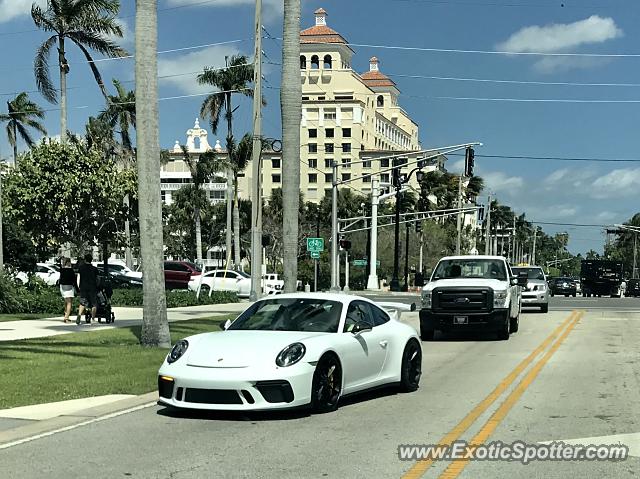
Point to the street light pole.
(487, 245)
(315, 261)
(256, 193)
(459, 239)
(335, 286)
(406, 259)
(395, 281)
(635, 251)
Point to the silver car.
(536, 293)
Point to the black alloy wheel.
(411, 367)
(327, 384)
(505, 331)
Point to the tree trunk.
(63, 92)
(198, 237)
(15, 143)
(291, 104)
(1, 238)
(155, 328)
(236, 224)
(229, 234)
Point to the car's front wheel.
(411, 366)
(327, 384)
(505, 330)
(544, 308)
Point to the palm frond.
(40, 19)
(98, 42)
(212, 108)
(11, 135)
(24, 134)
(94, 68)
(42, 73)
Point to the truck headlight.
(499, 299)
(426, 299)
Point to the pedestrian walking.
(623, 288)
(68, 286)
(88, 286)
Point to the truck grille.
(462, 300)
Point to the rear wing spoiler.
(396, 309)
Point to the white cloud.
(499, 181)
(618, 183)
(10, 9)
(128, 38)
(563, 37)
(271, 8)
(193, 62)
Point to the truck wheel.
(427, 334)
(515, 324)
(503, 333)
(544, 308)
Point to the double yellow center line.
(456, 467)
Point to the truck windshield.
(470, 268)
(532, 273)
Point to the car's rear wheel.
(327, 384)
(411, 367)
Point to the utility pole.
(458, 241)
(421, 247)
(335, 280)
(635, 250)
(346, 270)
(372, 281)
(395, 281)
(315, 261)
(487, 246)
(406, 259)
(533, 253)
(513, 242)
(256, 191)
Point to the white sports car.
(293, 350)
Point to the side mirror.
(522, 279)
(360, 327)
(226, 325)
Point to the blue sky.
(547, 191)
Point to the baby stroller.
(103, 307)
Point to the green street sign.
(315, 244)
(359, 262)
(315, 254)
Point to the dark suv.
(633, 288)
(563, 286)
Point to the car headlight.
(177, 351)
(499, 299)
(426, 299)
(291, 355)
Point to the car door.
(516, 291)
(365, 353)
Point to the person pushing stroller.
(88, 286)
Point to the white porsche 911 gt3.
(293, 350)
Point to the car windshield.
(291, 314)
(564, 280)
(470, 268)
(532, 273)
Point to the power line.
(556, 158)
(524, 100)
(569, 224)
(498, 4)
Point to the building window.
(275, 178)
(275, 163)
(384, 177)
(315, 62)
(305, 98)
(328, 177)
(344, 97)
(320, 98)
(313, 163)
(346, 176)
(346, 162)
(346, 132)
(313, 133)
(328, 132)
(330, 115)
(163, 196)
(379, 101)
(327, 62)
(313, 177)
(328, 147)
(303, 62)
(384, 163)
(313, 148)
(366, 163)
(328, 163)
(346, 147)
(366, 179)
(217, 195)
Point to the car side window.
(358, 311)
(169, 267)
(230, 274)
(379, 316)
(41, 269)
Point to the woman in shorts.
(68, 286)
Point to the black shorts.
(89, 299)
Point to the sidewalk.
(125, 317)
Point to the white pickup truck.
(472, 293)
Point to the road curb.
(64, 421)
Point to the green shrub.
(175, 298)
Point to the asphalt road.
(581, 384)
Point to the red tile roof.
(321, 34)
(375, 78)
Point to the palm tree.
(22, 114)
(121, 113)
(239, 157)
(86, 23)
(291, 105)
(235, 78)
(155, 328)
(202, 169)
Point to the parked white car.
(48, 273)
(118, 267)
(221, 280)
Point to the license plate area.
(461, 320)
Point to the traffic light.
(469, 162)
(419, 226)
(395, 177)
(266, 240)
(345, 244)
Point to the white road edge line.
(74, 426)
